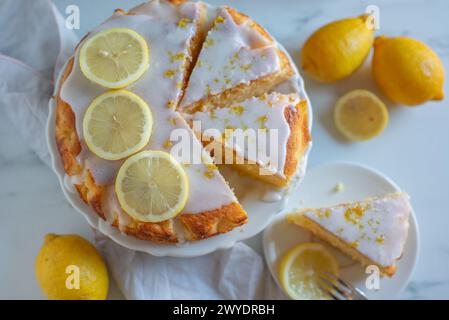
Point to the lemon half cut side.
(152, 186)
(117, 124)
(360, 115)
(114, 58)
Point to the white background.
(413, 150)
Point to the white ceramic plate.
(316, 190)
(249, 193)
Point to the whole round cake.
(155, 98)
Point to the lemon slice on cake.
(300, 268)
(152, 186)
(114, 58)
(117, 124)
(360, 115)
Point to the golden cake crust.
(203, 225)
(207, 224)
(299, 137)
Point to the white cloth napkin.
(34, 44)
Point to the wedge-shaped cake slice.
(264, 137)
(238, 60)
(372, 232)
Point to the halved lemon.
(360, 115)
(117, 124)
(114, 58)
(300, 268)
(152, 186)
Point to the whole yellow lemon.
(337, 49)
(407, 70)
(69, 268)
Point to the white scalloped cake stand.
(249, 192)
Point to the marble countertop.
(413, 150)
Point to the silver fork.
(338, 289)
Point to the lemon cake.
(117, 113)
(238, 60)
(372, 232)
(94, 177)
(263, 137)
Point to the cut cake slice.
(238, 60)
(264, 137)
(372, 232)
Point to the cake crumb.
(219, 20)
(237, 110)
(172, 121)
(168, 144)
(262, 120)
(184, 22)
(380, 240)
(170, 73)
(174, 57)
(209, 42)
(209, 173)
(245, 67)
(170, 105)
(339, 187)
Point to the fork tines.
(338, 289)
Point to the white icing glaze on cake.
(258, 113)
(167, 12)
(232, 54)
(376, 227)
(168, 32)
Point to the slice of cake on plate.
(372, 232)
(264, 137)
(238, 60)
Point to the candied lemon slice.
(114, 58)
(152, 186)
(117, 124)
(360, 115)
(300, 268)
